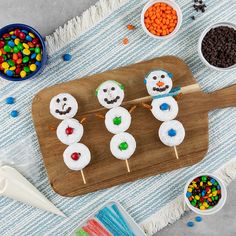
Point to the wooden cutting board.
(151, 156)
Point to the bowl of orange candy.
(161, 19)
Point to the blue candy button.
(171, 132)
(67, 57)
(10, 100)
(14, 113)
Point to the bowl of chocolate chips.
(217, 46)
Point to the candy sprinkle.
(198, 218)
(190, 224)
(204, 192)
(14, 113)
(67, 57)
(125, 41)
(10, 100)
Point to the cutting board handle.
(222, 98)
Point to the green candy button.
(117, 121)
(123, 146)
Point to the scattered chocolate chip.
(193, 17)
(219, 46)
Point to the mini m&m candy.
(204, 192)
(20, 53)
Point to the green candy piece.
(15, 49)
(193, 203)
(199, 204)
(117, 121)
(212, 198)
(210, 207)
(11, 63)
(216, 198)
(81, 233)
(204, 178)
(26, 69)
(123, 146)
(213, 190)
(4, 56)
(37, 50)
(7, 48)
(216, 183)
(31, 49)
(20, 46)
(25, 59)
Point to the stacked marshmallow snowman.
(70, 131)
(110, 95)
(164, 107)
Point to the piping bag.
(16, 186)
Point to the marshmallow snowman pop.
(164, 107)
(70, 131)
(110, 95)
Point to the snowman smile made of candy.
(110, 95)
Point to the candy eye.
(64, 99)
(104, 90)
(113, 88)
(162, 76)
(58, 100)
(154, 77)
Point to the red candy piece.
(2, 43)
(18, 70)
(6, 35)
(35, 41)
(75, 156)
(69, 130)
(201, 199)
(1, 59)
(21, 35)
(17, 32)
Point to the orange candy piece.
(125, 41)
(160, 19)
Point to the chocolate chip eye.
(104, 90)
(154, 77)
(58, 100)
(64, 99)
(162, 76)
(105, 99)
(113, 88)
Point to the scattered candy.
(20, 51)
(204, 192)
(198, 218)
(190, 224)
(130, 27)
(14, 113)
(67, 57)
(10, 100)
(160, 19)
(125, 41)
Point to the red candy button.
(69, 130)
(75, 156)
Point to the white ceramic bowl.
(171, 3)
(200, 45)
(219, 205)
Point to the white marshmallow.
(63, 106)
(117, 120)
(171, 133)
(127, 141)
(165, 108)
(158, 82)
(83, 154)
(110, 94)
(70, 131)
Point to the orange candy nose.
(159, 84)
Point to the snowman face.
(110, 94)
(63, 106)
(158, 82)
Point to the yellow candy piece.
(25, 45)
(38, 57)
(201, 183)
(22, 74)
(5, 65)
(209, 183)
(202, 207)
(214, 193)
(11, 33)
(210, 195)
(17, 41)
(205, 204)
(31, 35)
(12, 68)
(0, 53)
(197, 197)
(26, 51)
(190, 190)
(209, 191)
(33, 67)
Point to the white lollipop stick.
(83, 177)
(127, 165)
(176, 153)
(15, 186)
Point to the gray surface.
(46, 16)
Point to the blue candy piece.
(14, 113)
(190, 224)
(10, 100)
(218, 187)
(67, 57)
(11, 44)
(37, 63)
(24, 31)
(188, 194)
(28, 38)
(198, 218)
(13, 36)
(9, 73)
(212, 181)
(203, 193)
(33, 56)
(171, 132)
(164, 106)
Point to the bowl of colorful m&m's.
(205, 194)
(22, 52)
